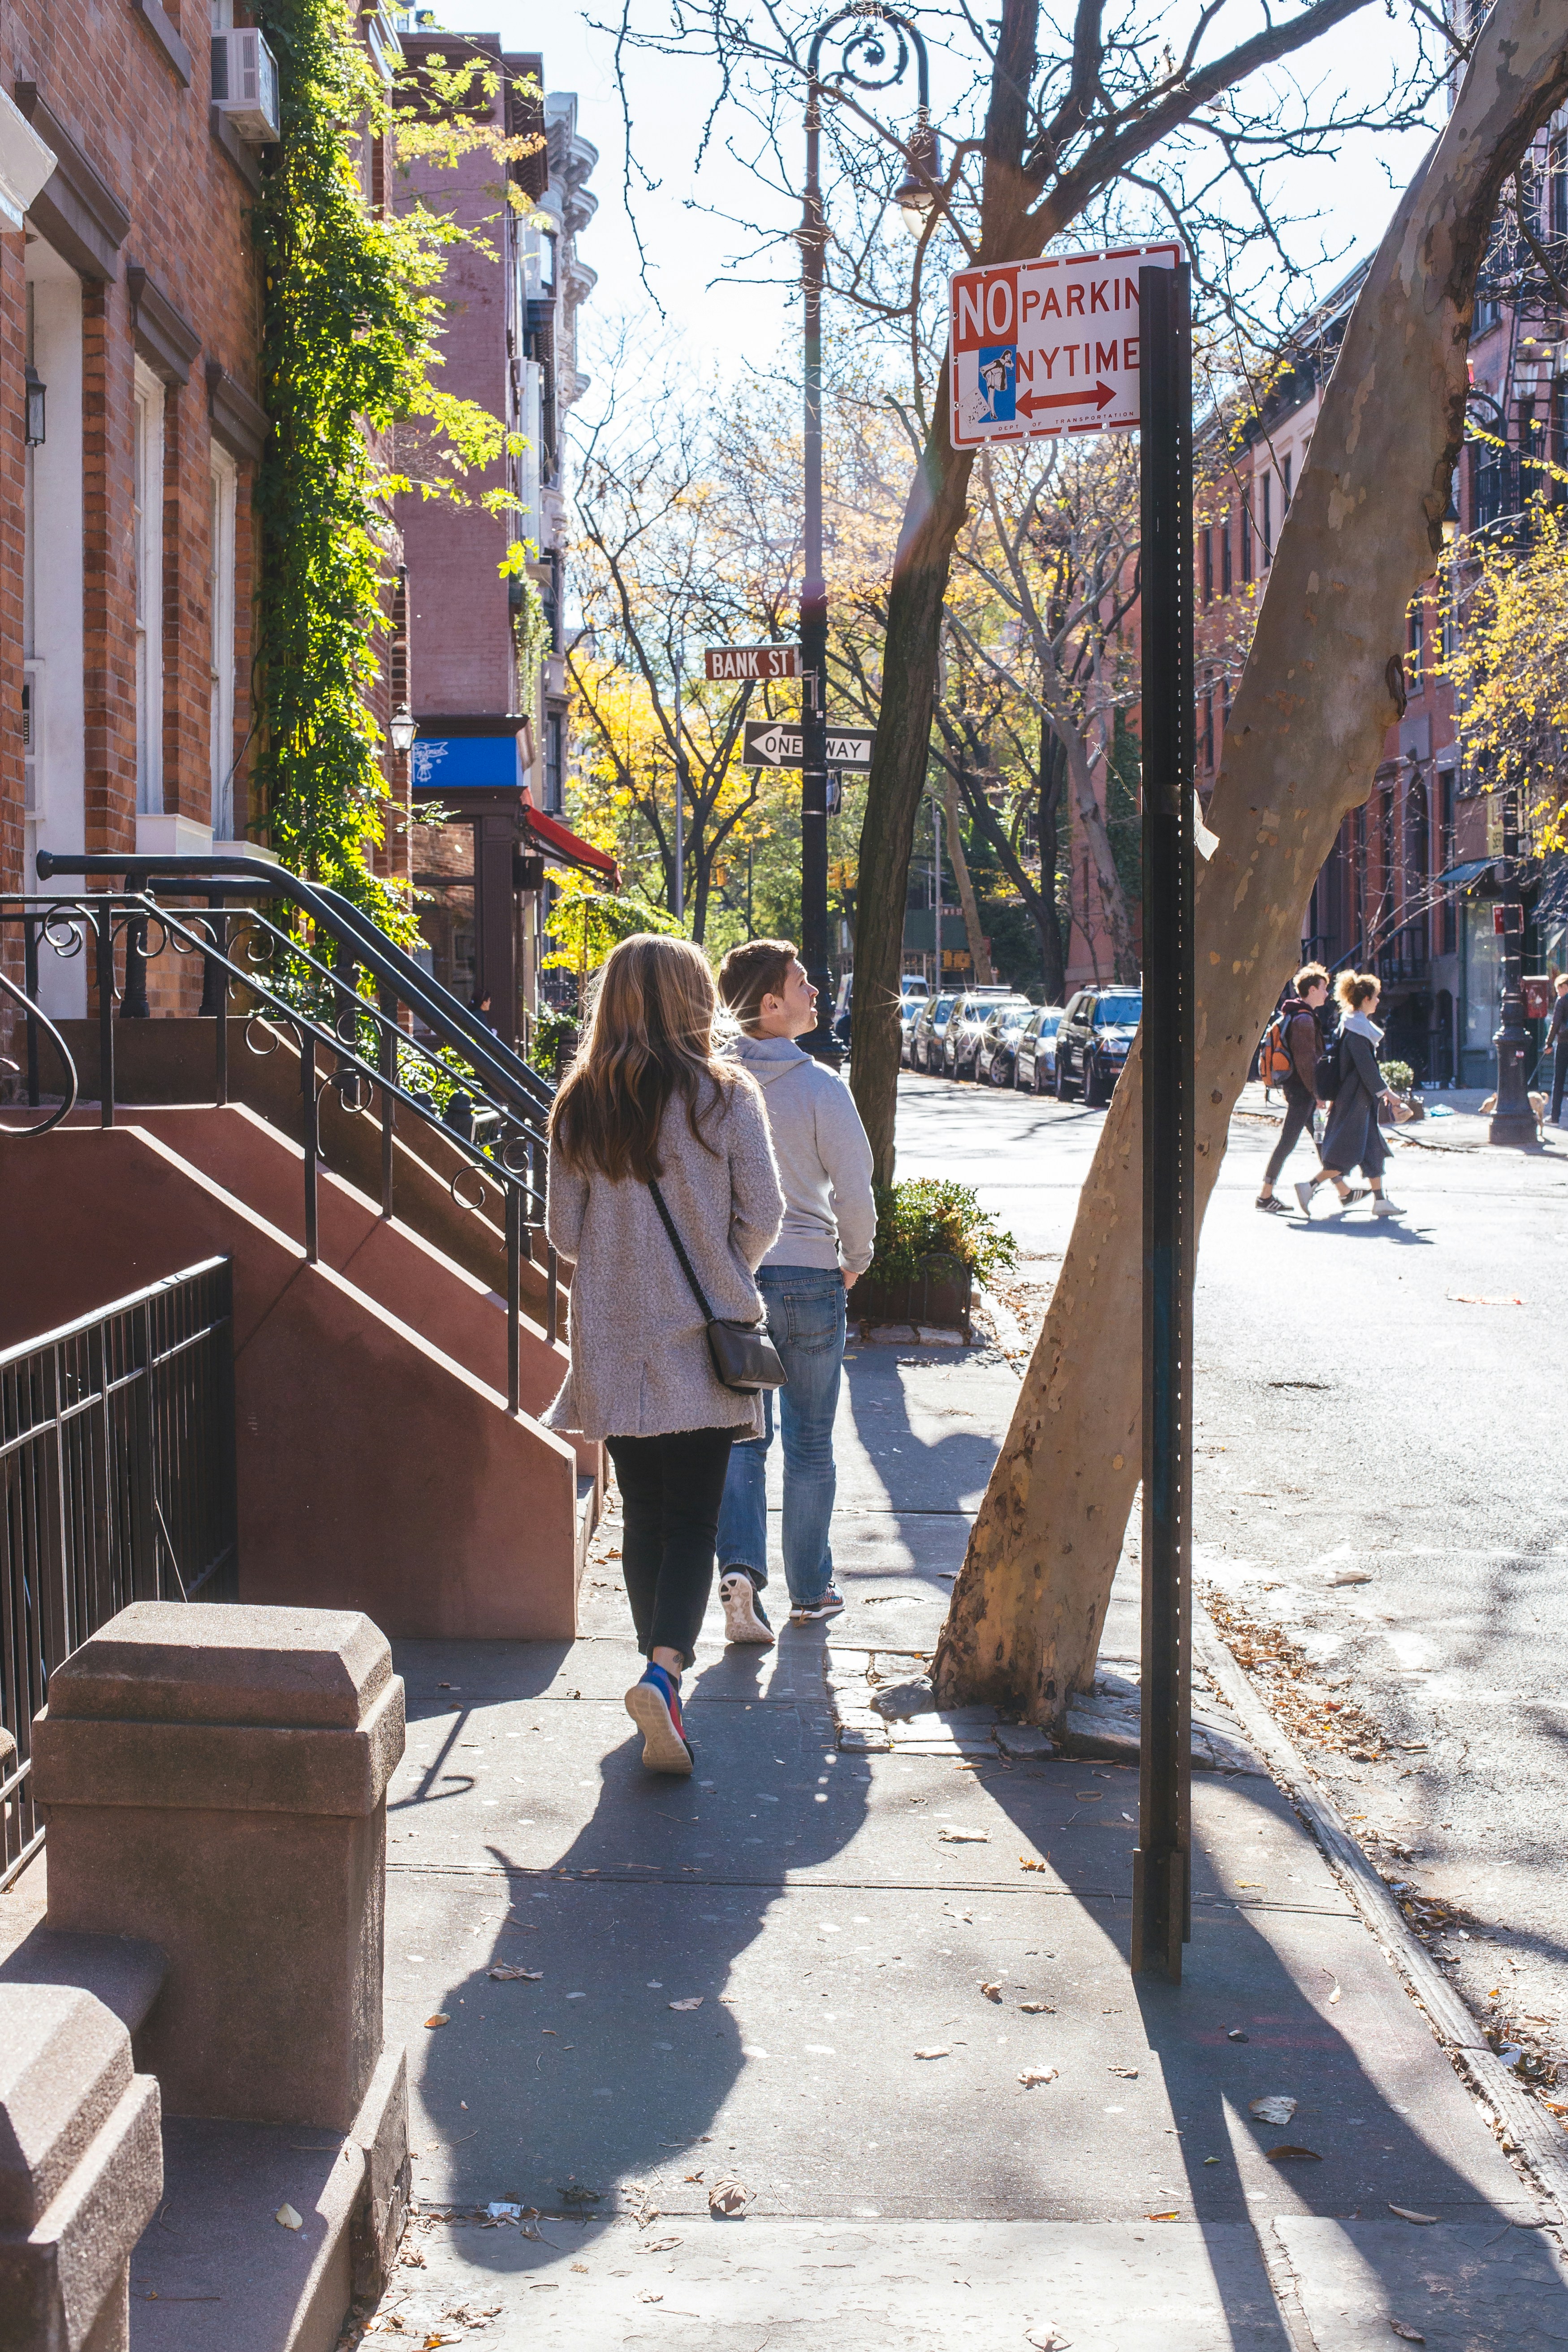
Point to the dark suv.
(1096, 1030)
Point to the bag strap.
(685, 1266)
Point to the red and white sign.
(757, 662)
(1047, 347)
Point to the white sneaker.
(743, 1618)
(1304, 1195)
(1383, 1207)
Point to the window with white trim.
(220, 604)
(147, 509)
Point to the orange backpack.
(1274, 1062)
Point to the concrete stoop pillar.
(81, 2170)
(214, 1782)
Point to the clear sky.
(691, 244)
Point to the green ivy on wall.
(351, 322)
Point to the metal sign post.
(1096, 342)
(1162, 1893)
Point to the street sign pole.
(814, 614)
(1161, 1896)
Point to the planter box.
(940, 1296)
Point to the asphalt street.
(1378, 1478)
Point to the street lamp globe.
(402, 728)
(916, 194)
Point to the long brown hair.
(650, 1036)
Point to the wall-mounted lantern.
(402, 728)
(33, 403)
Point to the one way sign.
(776, 743)
(1042, 347)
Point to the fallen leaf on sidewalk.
(1275, 2109)
(1036, 2008)
(1025, 1864)
(1406, 2215)
(1128, 2073)
(992, 1992)
(938, 2050)
(441, 2018)
(664, 2245)
(575, 2194)
(649, 2294)
(695, 2003)
(728, 2199)
(503, 1973)
(1288, 2153)
(1162, 2217)
(964, 1837)
(1411, 2335)
(1473, 1298)
(1033, 2075)
(288, 2218)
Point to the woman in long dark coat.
(1353, 1137)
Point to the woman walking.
(648, 1102)
(1353, 1137)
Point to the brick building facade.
(131, 304)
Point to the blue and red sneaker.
(654, 1706)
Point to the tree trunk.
(1096, 836)
(1316, 697)
(933, 519)
(1048, 922)
(979, 952)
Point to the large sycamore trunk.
(1320, 688)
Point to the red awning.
(558, 841)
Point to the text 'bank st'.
(1047, 347)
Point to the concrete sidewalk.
(835, 1914)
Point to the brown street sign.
(752, 664)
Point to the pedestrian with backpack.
(1349, 1075)
(830, 1224)
(1291, 1047)
(664, 1192)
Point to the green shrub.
(555, 1033)
(931, 1216)
(1398, 1077)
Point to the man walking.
(830, 1224)
(1557, 1040)
(1297, 1019)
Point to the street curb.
(1521, 2125)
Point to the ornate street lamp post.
(874, 44)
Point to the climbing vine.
(351, 321)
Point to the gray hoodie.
(824, 1157)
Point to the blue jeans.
(805, 1323)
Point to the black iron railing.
(116, 1484)
(369, 1023)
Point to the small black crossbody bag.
(744, 1358)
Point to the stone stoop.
(375, 1468)
(210, 1908)
(217, 2266)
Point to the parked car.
(925, 1040)
(1034, 1051)
(838, 1027)
(961, 1039)
(914, 995)
(1093, 1038)
(998, 1040)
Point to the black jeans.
(671, 1488)
(1559, 1073)
(1298, 1109)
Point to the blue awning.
(1471, 871)
(456, 763)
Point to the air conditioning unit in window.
(245, 83)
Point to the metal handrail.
(443, 1012)
(109, 915)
